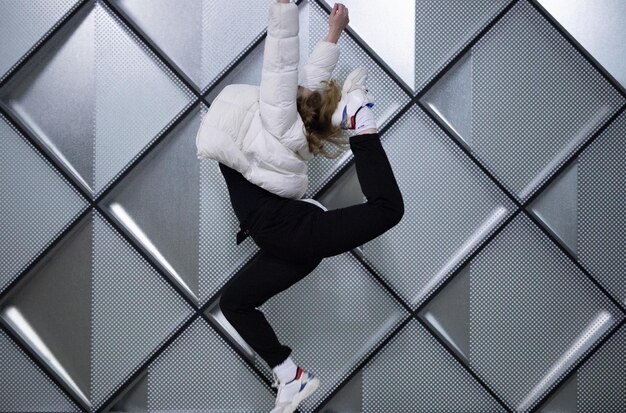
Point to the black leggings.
(294, 236)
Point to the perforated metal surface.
(24, 387)
(200, 372)
(451, 207)
(502, 318)
(532, 310)
(43, 16)
(128, 317)
(535, 99)
(136, 97)
(193, 36)
(413, 359)
(601, 206)
(601, 379)
(36, 203)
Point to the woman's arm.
(337, 21)
(279, 76)
(325, 55)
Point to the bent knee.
(397, 213)
(228, 301)
(393, 211)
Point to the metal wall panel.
(502, 289)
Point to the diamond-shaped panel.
(414, 359)
(597, 25)
(133, 309)
(186, 233)
(450, 208)
(42, 17)
(200, 372)
(533, 314)
(534, 100)
(37, 203)
(119, 98)
(193, 36)
(24, 387)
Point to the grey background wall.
(502, 289)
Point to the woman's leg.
(305, 232)
(263, 277)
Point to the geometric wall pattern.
(503, 288)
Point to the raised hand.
(337, 22)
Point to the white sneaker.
(354, 95)
(291, 394)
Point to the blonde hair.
(316, 111)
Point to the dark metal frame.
(201, 98)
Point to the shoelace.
(275, 383)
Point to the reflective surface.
(510, 252)
(598, 26)
(534, 100)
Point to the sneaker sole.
(311, 386)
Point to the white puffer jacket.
(258, 130)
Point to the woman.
(262, 151)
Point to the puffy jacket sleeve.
(319, 66)
(279, 76)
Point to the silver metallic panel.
(136, 97)
(36, 203)
(19, 37)
(602, 380)
(450, 208)
(24, 387)
(533, 314)
(339, 315)
(54, 320)
(601, 208)
(529, 83)
(198, 36)
(200, 372)
(557, 207)
(414, 360)
(599, 26)
(443, 28)
(134, 311)
(165, 226)
(123, 97)
(448, 313)
(53, 96)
